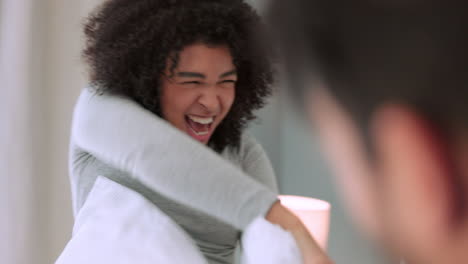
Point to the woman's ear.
(416, 180)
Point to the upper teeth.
(202, 120)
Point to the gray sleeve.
(256, 163)
(121, 133)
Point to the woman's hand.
(310, 250)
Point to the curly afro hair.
(129, 43)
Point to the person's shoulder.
(246, 143)
(248, 148)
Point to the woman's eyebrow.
(191, 75)
(226, 74)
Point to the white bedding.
(118, 225)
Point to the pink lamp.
(314, 213)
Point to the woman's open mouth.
(199, 127)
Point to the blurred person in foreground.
(385, 83)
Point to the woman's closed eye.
(228, 81)
(191, 82)
(199, 82)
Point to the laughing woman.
(167, 78)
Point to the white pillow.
(264, 242)
(117, 225)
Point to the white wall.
(64, 76)
(16, 192)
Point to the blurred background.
(41, 74)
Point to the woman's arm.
(121, 133)
(310, 250)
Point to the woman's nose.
(210, 99)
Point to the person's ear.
(416, 179)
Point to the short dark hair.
(369, 52)
(130, 41)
